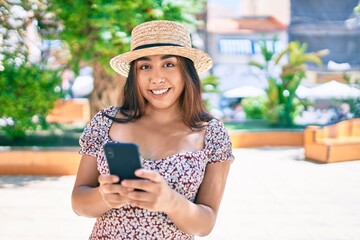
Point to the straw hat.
(160, 37)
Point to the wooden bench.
(333, 143)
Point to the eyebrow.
(162, 58)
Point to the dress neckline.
(175, 154)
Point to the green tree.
(28, 93)
(15, 19)
(97, 30)
(27, 88)
(282, 105)
(209, 85)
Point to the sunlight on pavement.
(271, 194)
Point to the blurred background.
(284, 64)
(285, 81)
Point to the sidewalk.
(271, 194)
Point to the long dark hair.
(194, 111)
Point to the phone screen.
(123, 159)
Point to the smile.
(160, 91)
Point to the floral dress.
(183, 172)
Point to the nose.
(158, 81)
(157, 77)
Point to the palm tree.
(282, 104)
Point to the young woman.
(185, 151)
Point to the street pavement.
(272, 193)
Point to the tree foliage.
(28, 92)
(96, 30)
(282, 104)
(27, 89)
(15, 17)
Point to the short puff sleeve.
(220, 143)
(95, 132)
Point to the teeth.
(158, 92)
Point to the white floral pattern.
(183, 172)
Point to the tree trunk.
(107, 89)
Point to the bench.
(333, 143)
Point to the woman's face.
(160, 80)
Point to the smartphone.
(123, 159)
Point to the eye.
(169, 64)
(144, 67)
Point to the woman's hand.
(154, 194)
(112, 192)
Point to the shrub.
(28, 92)
(254, 107)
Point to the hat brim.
(121, 63)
